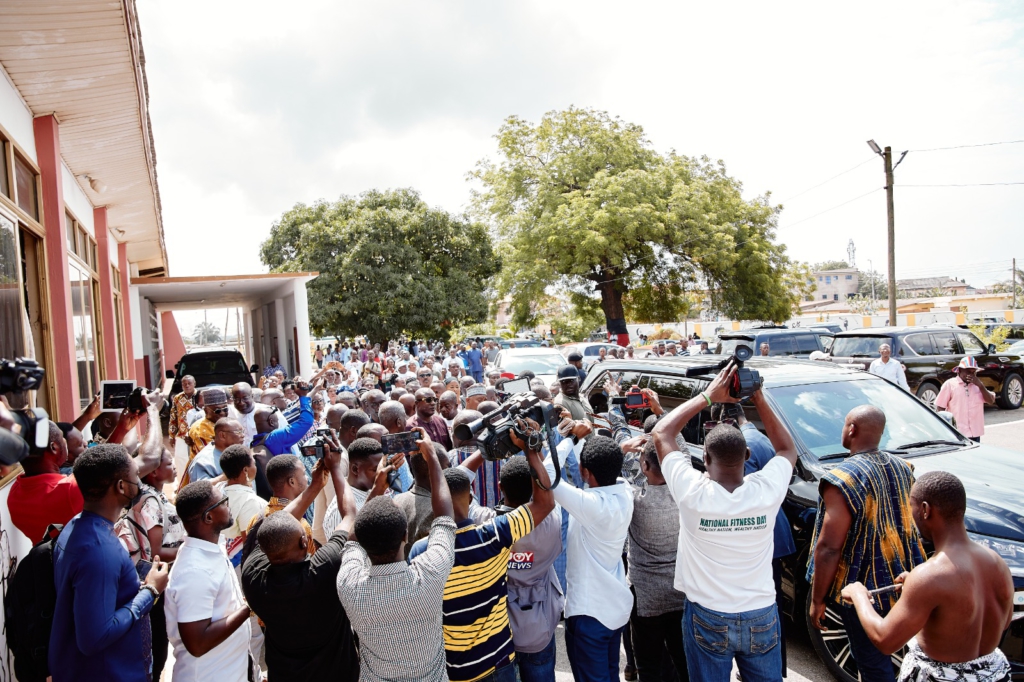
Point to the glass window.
(71, 230)
(26, 181)
(849, 277)
(806, 344)
(828, 279)
(12, 342)
(818, 411)
(858, 346)
(92, 255)
(597, 397)
(546, 363)
(5, 181)
(970, 343)
(824, 297)
(85, 332)
(944, 343)
(83, 244)
(835, 297)
(921, 344)
(115, 278)
(819, 279)
(672, 391)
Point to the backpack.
(28, 609)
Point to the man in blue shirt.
(762, 452)
(97, 633)
(272, 439)
(474, 362)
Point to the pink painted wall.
(174, 346)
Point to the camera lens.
(743, 353)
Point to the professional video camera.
(745, 382)
(31, 425)
(493, 431)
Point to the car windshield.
(538, 364)
(215, 364)
(817, 412)
(858, 346)
(729, 345)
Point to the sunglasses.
(220, 410)
(426, 400)
(223, 500)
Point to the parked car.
(590, 351)
(212, 367)
(520, 343)
(930, 354)
(543, 362)
(798, 342)
(482, 340)
(1016, 348)
(812, 400)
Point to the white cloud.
(258, 105)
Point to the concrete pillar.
(66, 404)
(109, 350)
(129, 313)
(280, 349)
(305, 362)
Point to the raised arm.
(152, 448)
(669, 426)
(92, 411)
(440, 496)
(778, 434)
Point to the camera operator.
(726, 530)
(308, 636)
(43, 495)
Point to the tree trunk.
(611, 304)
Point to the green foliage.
(584, 316)
(830, 265)
(206, 333)
(388, 264)
(997, 335)
(800, 280)
(881, 283)
(582, 201)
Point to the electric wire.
(828, 181)
(968, 146)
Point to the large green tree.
(388, 263)
(583, 201)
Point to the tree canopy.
(388, 263)
(582, 200)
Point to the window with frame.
(970, 343)
(5, 180)
(26, 189)
(944, 342)
(84, 307)
(920, 344)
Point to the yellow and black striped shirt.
(477, 636)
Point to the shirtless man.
(955, 606)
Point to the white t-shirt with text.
(726, 540)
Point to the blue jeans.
(712, 640)
(505, 673)
(872, 663)
(538, 667)
(593, 649)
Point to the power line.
(968, 146)
(972, 184)
(850, 201)
(829, 180)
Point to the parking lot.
(1003, 429)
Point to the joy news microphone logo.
(520, 560)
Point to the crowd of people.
(278, 532)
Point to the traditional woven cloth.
(917, 667)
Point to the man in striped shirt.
(477, 637)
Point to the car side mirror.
(992, 349)
(948, 417)
(169, 374)
(254, 369)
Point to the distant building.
(835, 285)
(932, 286)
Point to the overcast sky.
(257, 106)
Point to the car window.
(817, 413)
(672, 391)
(858, 346)
(806, 344)
(547, 363)
(921, 344)
(944, 343)
(591, 350)
(211, 365)
(596, 395)
(970, 343)
(779, 345)
(728, 346)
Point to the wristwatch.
(152, 591)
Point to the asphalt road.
(1003, 429)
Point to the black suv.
(212, 367)
(786, 342)
(812, 400)
(930, 354)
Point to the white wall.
(15, 115)
(76, 201)
(13, 545)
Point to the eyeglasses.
(220, 410)
(213, 506)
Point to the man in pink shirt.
(965, 397)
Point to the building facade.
(835, 285)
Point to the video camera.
(31, 425)
(493, 431)
(746, 382)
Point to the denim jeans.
(712, 640)
(872, 663)
(538, 667)
(593, 649)
(505, 673)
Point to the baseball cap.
(575, 357)
(568, 372)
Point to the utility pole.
(886, 155)
(1013, 283)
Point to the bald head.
(372, 430)
(281, 537)
(408, 402)
(392, 416)
(334, 415)
(863, 428)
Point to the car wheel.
(928, 392)
(1012, 394)
(833, 646)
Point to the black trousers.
(159, 624)
(658, 646)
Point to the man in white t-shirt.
(890, 369)
(726, 539)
